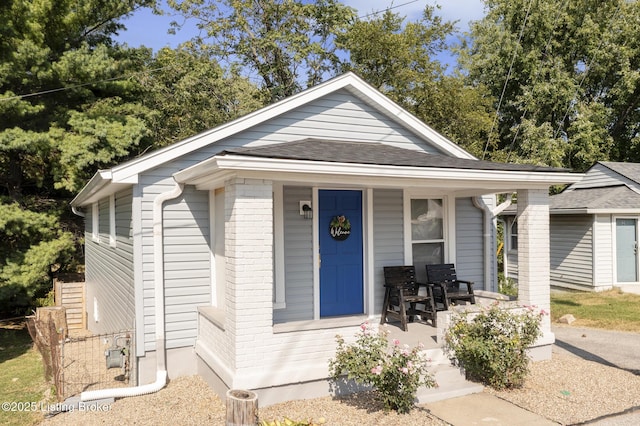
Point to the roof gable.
(349, 81)
(127, 173)
(608, 173)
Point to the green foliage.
(191, 93)
(279, 40)
(21, 376)
(66, 112)
(611, 310)
(399, 58)
(492, 345)
(395, 373)
(507, 285)
(564, 76)
(34, 247)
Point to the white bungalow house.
(594, 231)
(218, 251)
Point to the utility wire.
(506, 81)
(76, 86)
(544, 53)
(61, 89)
(388, 8)
(588, 67)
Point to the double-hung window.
(427, 233)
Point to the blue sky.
(146, 29)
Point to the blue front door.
(340, 228)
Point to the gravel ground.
(570, 390)
(566, 389)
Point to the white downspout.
(487, 227)
(158, 265)
(77, 212)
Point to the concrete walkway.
(484, 409)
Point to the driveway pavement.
(613, 348)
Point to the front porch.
(295, 364)
(268, 329)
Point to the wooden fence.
(71, 295)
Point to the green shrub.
(507, 285)
(395, 372)
(492, 345)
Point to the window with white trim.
(95, 222)
(427, 234)
(112, 220)
(513, 235)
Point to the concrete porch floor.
(418, 332)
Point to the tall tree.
(400, 59)
(565, 76)
(189, 92)
(285, 44)
(65, 111)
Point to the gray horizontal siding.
(571, 243)
(469, 242)
(187, 262)
(599, 176)
(109, 270)
(388, 237)
(339, 115)
(298, 256)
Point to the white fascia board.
(629, 211)
(449, 177)
(99, 181)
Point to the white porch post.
(249, 268)
(533, 260)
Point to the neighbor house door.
(341, 252)
(627, 250)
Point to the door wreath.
(340, 228)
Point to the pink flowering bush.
(394, 371)
(492, 345)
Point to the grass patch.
(611, 310)
(21, 375)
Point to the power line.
(544, 54)
(506, 81)
(76, 86)
(388, 8)
(586, 71)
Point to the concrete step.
(451, 380)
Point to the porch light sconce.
(306, 210)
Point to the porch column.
(249, 268)
(534, 260)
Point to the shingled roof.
(602, 198)
(629, 170)
(374, 153)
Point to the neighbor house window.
(427, 233)
(513, 235)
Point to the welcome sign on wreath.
(340, 228)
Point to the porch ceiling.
(369, 164)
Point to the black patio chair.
(403, 298)
(446, 288)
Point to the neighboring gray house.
(230, 231)
(594, 231)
